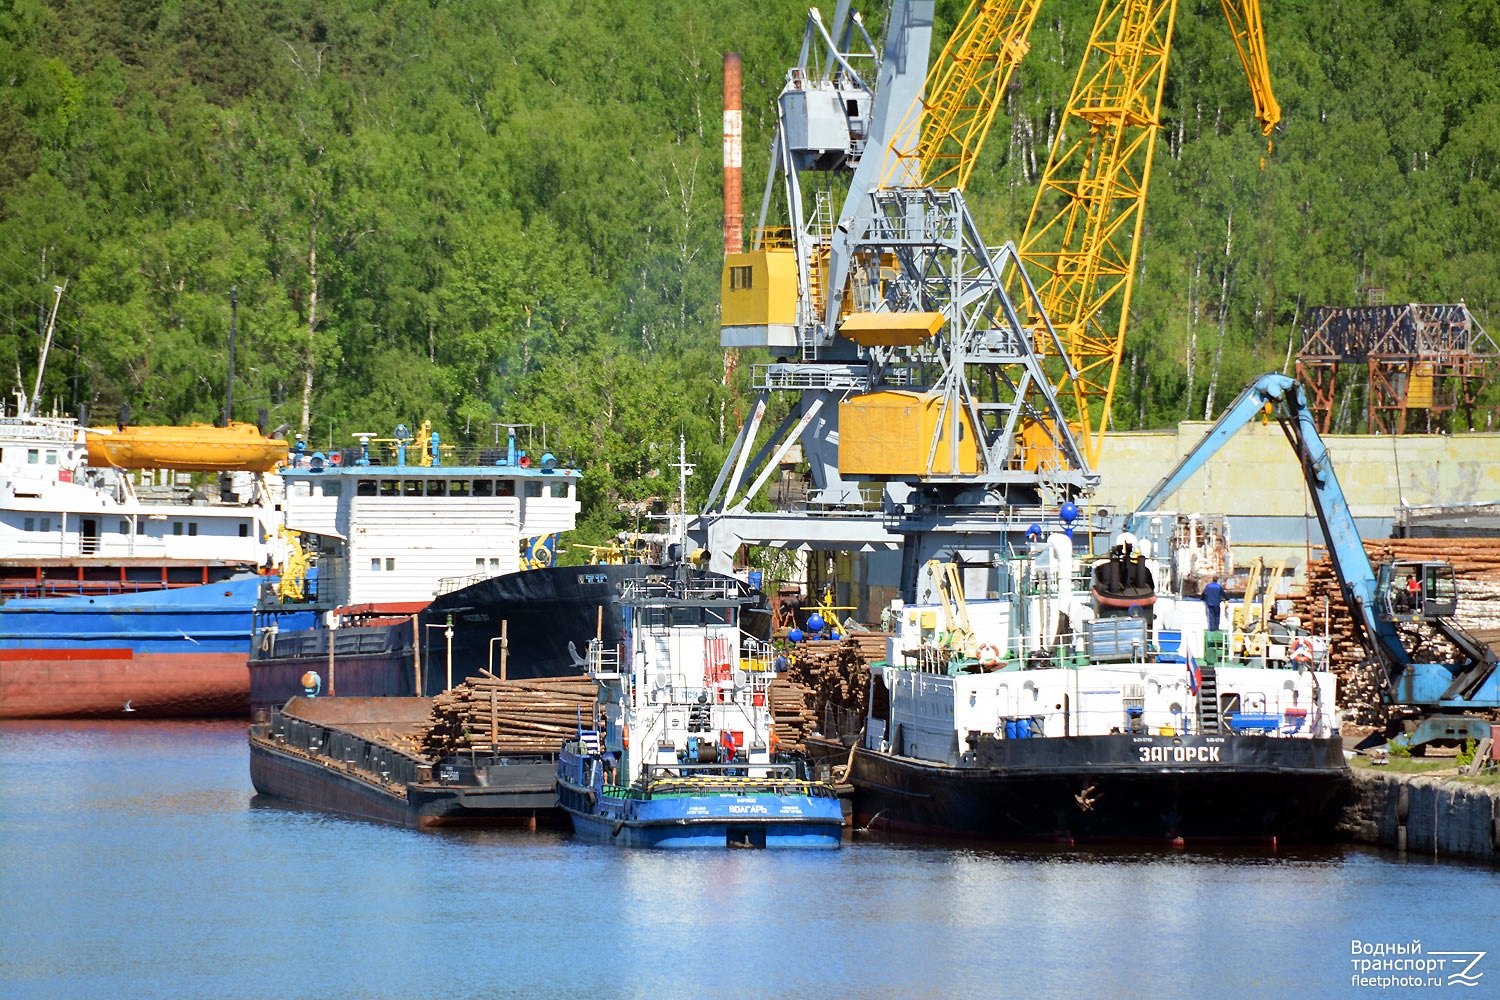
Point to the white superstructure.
(54, 508)
(406, 532)
(1041, 660)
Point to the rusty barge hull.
(105, 683)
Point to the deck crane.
(887, 312)
(1377, 597)
(1082, 238)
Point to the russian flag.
(1195, 675)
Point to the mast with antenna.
(41, 369)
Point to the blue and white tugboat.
(685, 752)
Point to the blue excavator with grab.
(1381, 600)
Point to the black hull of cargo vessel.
(1110, 789)
(543, 610)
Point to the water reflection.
(136, 860)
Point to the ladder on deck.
(1208, 700)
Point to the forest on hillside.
(485, 212)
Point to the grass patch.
(1440, 767)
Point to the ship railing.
(346, 642)
(728, 778)
(374, 759)
(660, 588)
(603, 659)
(389, 456)
(1121, 720)
(449, 584)
(43, 430)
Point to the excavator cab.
(1416, 591)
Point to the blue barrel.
(1010, 729)
(1023, 729)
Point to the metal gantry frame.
(895, 245)
(1418, 359)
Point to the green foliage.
(1466, 755)
(489, 212)
(1397, 749)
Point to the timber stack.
(488, 715)
(792, 713)
(837, 673)
(1476, 565)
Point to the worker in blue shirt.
(1213, 599)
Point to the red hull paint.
(97, 683)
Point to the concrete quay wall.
(1256, 472)
(1421, 814)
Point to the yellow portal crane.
(965, 87)
(1083, 234)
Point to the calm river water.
(135, 861)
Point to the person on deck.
(1213, 599)
(1413, 593)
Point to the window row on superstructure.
(459, 488)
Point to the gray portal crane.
(891, 329)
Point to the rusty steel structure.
(1420, 360)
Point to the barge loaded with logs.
(482, 754)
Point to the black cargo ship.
(1109, 789)
(529, 624)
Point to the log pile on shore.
(1476, 564)
(487, 715)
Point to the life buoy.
(1301, 650)
(625, 737)
(988, 655)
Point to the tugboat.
(685, 754)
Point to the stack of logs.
(487, 715)
(1475, 561)
(792, 712)
(822, 674)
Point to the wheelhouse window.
(505, 488)
(124, 527)
(458, 487)
(559, 490)
(333, 488)
(484, 487)
(437, 487)
(390, 487)
(365, 488)
(411, 488)
(533, 488)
